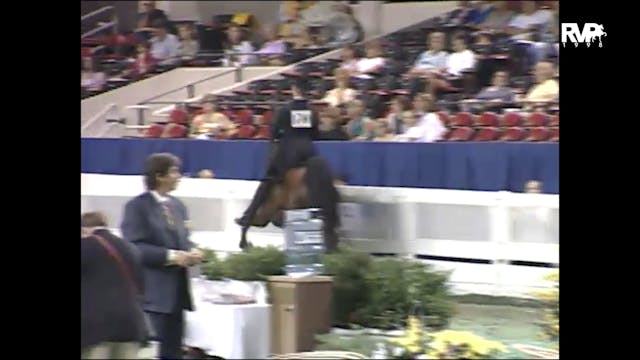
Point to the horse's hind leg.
(244, 244)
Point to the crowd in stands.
(486, 72)
(306, 28)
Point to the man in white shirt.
(462, 59)
(165, 47)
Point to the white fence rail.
(495, 243)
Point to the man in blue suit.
(155, 223)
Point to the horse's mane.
(322, 192)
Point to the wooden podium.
(301, 308)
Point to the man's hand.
(182, 258)
(195, 256)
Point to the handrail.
(98, 116)
(99, 28)
(96, 12)
(186, 86)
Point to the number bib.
(301, 119)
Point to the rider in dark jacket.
(293, 132)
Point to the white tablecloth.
(229, 331)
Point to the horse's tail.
(323, 194)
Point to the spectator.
(342, 93)
(238, 45)
(212, 121)
(499, 90)
(462, 59)
(112, 323)
(382, 132)
(479, 12)
(151, 15)
(498, 20)
(165, 47)
(344, 28)
(274, 48)
(349, 59)
(206, 174)
(435, 58)
(369, 130)
(546, 88)
(533, 187)
(400, 115)
(550, 33)
(291, 28)
(143, 64)
(427, 126)
(330, 127)
(92, 78)
(189, 45)
(524, 25)
(355, 111)
(483, 39)
(374, 59)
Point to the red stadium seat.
(175, 131)
(462, 119)
(154, 131)
(245, 131)
(513, 134)
(555, 120)
(555, 134)
(487, 134)
(266, 117)
(538, 134)
(264, 133)
(244, 117)
(460, 134)
(487, 119)
(536, 119)
(510, 120)
(178, 116)
(444, 117)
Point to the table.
(229, 331)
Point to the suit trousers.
(169, 330)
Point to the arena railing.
(111, 24)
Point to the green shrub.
(350, 292)
(212, 266)
(255, 264)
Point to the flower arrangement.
(447, 344)
(550, 299)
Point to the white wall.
(491, 226)
(395, 16)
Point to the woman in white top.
(374, 60)
(427, 126)
(341, 94)
(189, 45)
(461, 59)
(349, 59)
(237, 45)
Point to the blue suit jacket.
(167, 287)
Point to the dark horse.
(308, 186)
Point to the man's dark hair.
(92, 219)
(158, 165)
(160, 24)
(299, 84)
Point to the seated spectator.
(206, 174)
(426, 126)
(238, 45)
(546, 88)
(291, 28)
(483, 39)
(92, 78)
(479, 12)
(498, 93)
(462, 59)
(143, 64)
(212, 122)
(189, 45)
(342, 93)
(165, 47)
(525, 24)
(549, 34)
(343, 28)
(435, 58)
(357, 118)
(349, 59)
(497, 20)
(330, 127)
(146, 20)
(369, 131)
(382, 132)
(400, 115)
(373, 61)
(274, 48)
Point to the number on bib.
(301, 119)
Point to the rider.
(293, 132)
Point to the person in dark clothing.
(112, 323)
(293, 132)
(330, 127)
